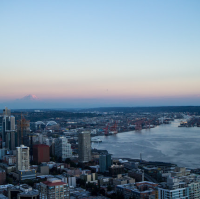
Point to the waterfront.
(166, 143)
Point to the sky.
(100, 53)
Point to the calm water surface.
(166, 143)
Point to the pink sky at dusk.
(112, 53)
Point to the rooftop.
(53, 182)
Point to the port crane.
(114, 128)
(106, 130)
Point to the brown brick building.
(40, 153)
(2, 176)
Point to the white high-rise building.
(63, 148)
(84, 146)
(22, 158)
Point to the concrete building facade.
(140, 190)
(41, 153)
(54, 188)
(63, 148)
(105, 162)
(8, 126)
(22, 192)
(22, 158)
(84, 146)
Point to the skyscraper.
(8, 126)
(6, 112)
(84, 146)
(23, 131)
(102, 163)
(22, 158)
(105, 162)
(63, 148)
(40, 153)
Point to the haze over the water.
(99, 53)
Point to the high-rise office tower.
(6, 112)
(13, 140)
(8, 126)
(40, 153)
(23, 132)
(63, 148)
(22, 158)
(108, 161)
(105, 162)
(102, 163)
(84, 146)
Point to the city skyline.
(89, 54)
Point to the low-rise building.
(73, 172)
(105, 181)
(9, 159)
(184, 187)
(8, 168)
(70, 180)
(140, 190)
(78, 193)
(114, 170)
(22, 192)
(120, 180)
(93, 177)
(25, 174)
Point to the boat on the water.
(93, 139)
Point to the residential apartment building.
(139, 190)
(63, 148)
(179, 188)
(54, 188)
(22, 158)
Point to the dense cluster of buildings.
(50, 162)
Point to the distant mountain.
(29, 98)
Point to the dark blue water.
(168, 143)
